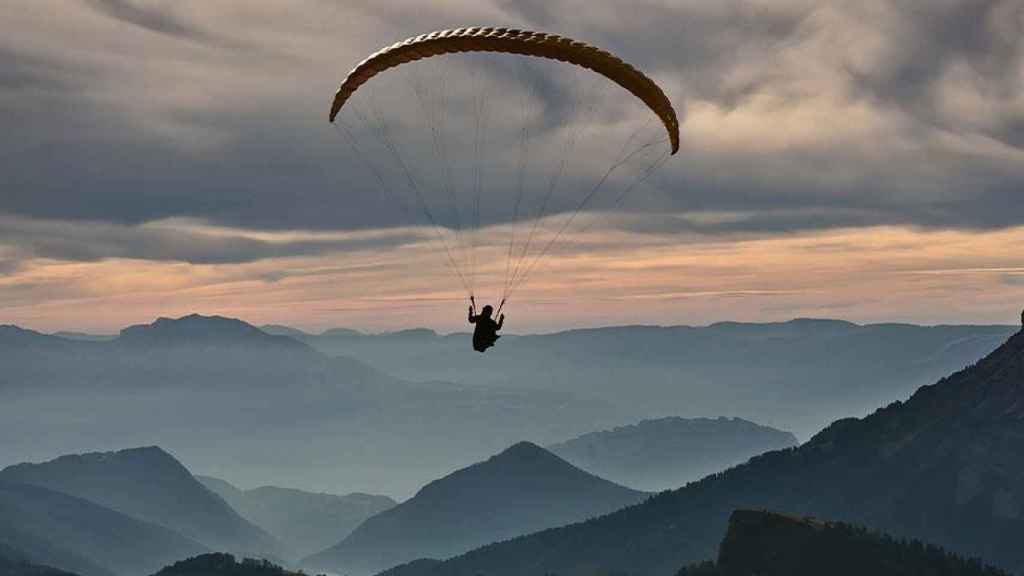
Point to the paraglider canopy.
(474, 175)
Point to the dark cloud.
(97, 241)
(159, 18)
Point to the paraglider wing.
(512, 41)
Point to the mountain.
(76, 535)
(666, 453)
(220, 564)
(279, 330)
(771, 544)
(205, 332)
(945, 467)
(797, 375)
(522, 489)
(306, 522)
(150, 485)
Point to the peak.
(523, 448)
(195, 329)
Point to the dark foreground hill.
(666, 453)
(946, 466)
(523, 489)
(150, 485)
(770, 544)
(80, 536)
(306, 522)
(219, 564)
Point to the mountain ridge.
(520, 489)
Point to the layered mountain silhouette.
(73, 534)
(148, 484)
(523, 489)
(286, 413)
(669, 452)
(944, 467)
(769, 544)
(306, 522)
(797, 375)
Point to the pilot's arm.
(472, 319)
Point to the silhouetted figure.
(486, 332)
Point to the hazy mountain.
(279, 330)
(287, 414)
(666, 453)
(522, 489)
(85, 336)
(73, 534)
(220, 564)
(16, 563)
(150, 485)
(770, 544)
(797, 375)
(945, 466)
(306, 522)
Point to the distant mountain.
(306, 522)
(150, 485)
(85, 336)
(797, 375)
(770, 544)
(76, 535)
(945, 467)
(669, 452)
(220, 564)
(279, 330)
(522, 489)
(206, 332)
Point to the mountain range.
(666, 453)
(769, 544)
(523, 489)
(305, 522)
(288, 414)
(945, 467)
(150, 485)
(797, 375)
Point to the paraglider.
(549, 131)
(485, 333)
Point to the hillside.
(944, 467)
(220, 564)
(523, 489)
(666, 453)
(769, 544)
(150, 485)
(76, 535)
(306, 522)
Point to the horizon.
(320, 331)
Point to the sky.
(856, 160)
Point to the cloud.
(799, 115)
(158, 17)
(180, 242)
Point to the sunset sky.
(854, 160)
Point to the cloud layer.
(194, 133)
